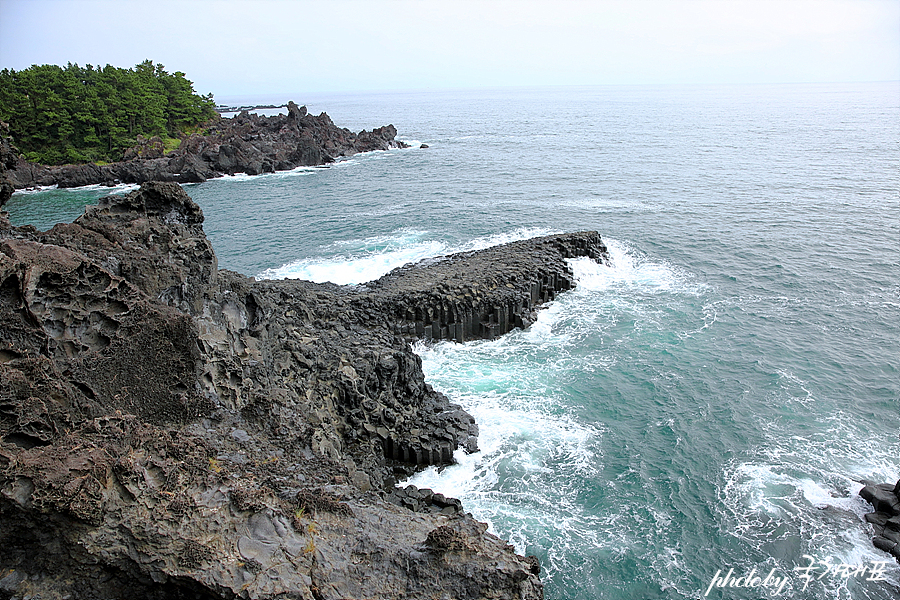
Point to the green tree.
(81, 114)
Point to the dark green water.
(706, 403)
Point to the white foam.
(538, 448)
(608, 205)
(541, 331)
(301, 170)
(236, 177)
(525, 438)
(522, 233)
(296, 171)
(123, 188)
(351, 269)
(370, 258)
(119, 188)
(629, 270)
(805, 486)
(39, 189)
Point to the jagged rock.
(247, 143)
(295, 113)
(169, 429)
(145, 148)
(885, 520)
(882, 497)
(8, 159)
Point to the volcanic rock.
(8, 159)
(885, 520)
(169, 429)
(247, 143)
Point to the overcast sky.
(273, 47)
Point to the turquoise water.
(705, 403)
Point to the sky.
(240, 48)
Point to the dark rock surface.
(885, 520)
(483, 294)
(172, 430)
(8, 157)
(247, 143)
(146, 148)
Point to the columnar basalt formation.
(885, 519)
(169, 429)
(247, 143)
(482, 294)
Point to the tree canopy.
(79, 114)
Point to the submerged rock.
(169, 429)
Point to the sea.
(695, 418)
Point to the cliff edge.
(172, 430)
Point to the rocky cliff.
(8, 157)
(247, 143)
(172, 430)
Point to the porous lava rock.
(172, 430)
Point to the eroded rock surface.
(169, 429)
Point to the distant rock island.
(247, 143)
(172, 430)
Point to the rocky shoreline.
(247, 143)
(172, 430)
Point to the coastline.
(215, 433)
(247, 143)
(768, 480)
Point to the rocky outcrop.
(8, 158)
(483, 294)
(247, 143)
(145, 148)
(885, 519)
(169, 429)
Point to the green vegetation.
(171, 144)
(85, 114)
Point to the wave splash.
(359, 261)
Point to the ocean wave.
(607, 205)
(361, 260)
(801, 492)
(119, 188)
(39, 189)
(629, 268)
